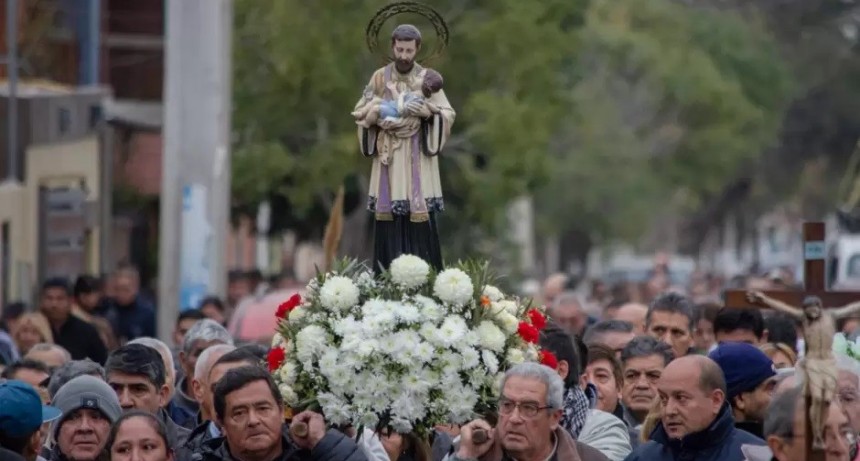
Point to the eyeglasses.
(847, 434)
(527, 409)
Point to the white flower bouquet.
(407, 350)
(843, 346)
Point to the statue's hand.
(417, 109)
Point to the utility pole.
(12, 101)
(195, 195)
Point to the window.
(854, 266)
(65, 120)
(95, 115)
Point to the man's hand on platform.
(755, 297)
(316, 429)
(470, 448)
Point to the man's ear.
(197, 389)
(163, 396)
(739, 402)
(718, 398)
(777, 446)
(563, 369)
(764, 336)
(555, 418)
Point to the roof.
(42, 88)
(141, 114)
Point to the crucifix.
(819, 364)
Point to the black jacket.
(81, 339)
(335, 446)
(177, 436)
(719, 442)
(9, 455)
(199, 437)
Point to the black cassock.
(400, 232)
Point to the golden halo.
(389, 11)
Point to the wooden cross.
(815, 284)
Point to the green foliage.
(674, 100)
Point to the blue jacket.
(721, 441)
(130, 322)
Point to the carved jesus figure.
(405, 189)
(819, 364)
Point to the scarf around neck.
(576, 406)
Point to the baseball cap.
(744, 366)
(21, 409)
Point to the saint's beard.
(404, 65)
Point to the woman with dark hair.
(138, 435)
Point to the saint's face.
(404, 54)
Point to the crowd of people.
(658, 373)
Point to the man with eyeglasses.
(785, 428)
(528, 428)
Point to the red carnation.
(528, 332)
(538, 320)
(548, 358)
(276, 357)
(287, 306)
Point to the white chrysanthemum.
(409, 271)
(452, 330)
(277, 340)
(494, 294)
(471, 358)
(296, 315)
(311, 341)
(339, 293)
(508, 322)
(454, 287)
(430, 310)
(490, 361)
(288, 372)
(506, 305)
(515, 356)
(289, 395)
(491, 337)
(334, 408)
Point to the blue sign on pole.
(196, 238)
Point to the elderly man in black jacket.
(250, 411)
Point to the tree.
(674, 101)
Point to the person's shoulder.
(588, 453)
(743, 437)
(81, 324)
(646, 450)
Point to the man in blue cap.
(750, 381)
(21, 417)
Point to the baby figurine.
(377, 108)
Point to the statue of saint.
(818, 366)
(404, 120)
